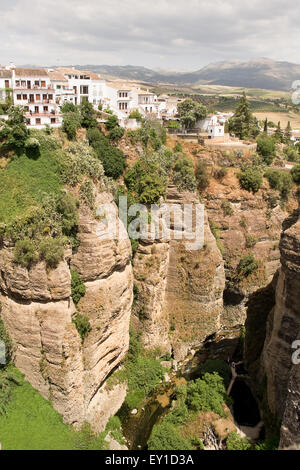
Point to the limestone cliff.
(283, 328)
(37, 309)
(179, 292)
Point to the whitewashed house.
(86, 85)
(63, 91)
(5, 84)
(33, 90)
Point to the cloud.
(186, 34)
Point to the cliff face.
(37, 310)
(283, 328)
(246, 223)
(179, 291)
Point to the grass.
(31, 423)
(24, 182)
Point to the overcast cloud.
(170, 34)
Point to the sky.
(165, 34)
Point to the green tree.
(295, 172)
(77, 287)
(243, 123)
(278, 133)
(183, 174)
(144, 179)
(165, 436)
(71, 123)
(266, 148)
(190, 112)
(88, 114)
(288, 131)
(266, 126)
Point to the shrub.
(250, 179)
(295, 173)
(83, 325)
(52, 251)
(183, 174)
(220, 367)
(86, 191)
(227, 209)
(116, 133)
(178, 147)
(68, 107)
(166, 437)
(71, 123)
(144, 180)
(266, 147)
(77, 287)
(207, 394)
(25, 253)
(247, 265)
(32, 147)
(111, 123)
(220, 173)
(112, 158)
(136, 115)
(202, 176)
(236, 442)
(280, 180)
(250, 241)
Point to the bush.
(236, 442)
(183, 174)
(136, 115)
(32, 147)
(166, 437)
(88, 113)
(247, 265)
(280, 180)
(112, 122)
(266, 147)
(25, 253)
(77, 287)
(207, 394)
(202, 176)
(144, 180)
(112, 158)
(116, 133)
(220, 367)
(71, 123)
(220, 173)
(83, 325)
(178, 147)
(52, 251)
(295, 173)
(250, 179)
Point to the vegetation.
(266, 148)
(247, 265)
(77, 287)
(295, 173)
(183, 174)
(243, 124)
(202, 176)
(112, 159)
(83, 325)
(190, 112)
(280, 180)
(236, 442)
(145, 181)
(250, 179)
(165, 436)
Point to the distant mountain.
(256, 73)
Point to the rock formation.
(37, 310)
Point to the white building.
(33, 90)
(63, 91)
(213, 125)
(5, 84)
(86, 85)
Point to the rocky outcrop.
(245, 223)
(283, 328)
(37, 310)
(179, 291)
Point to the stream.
(225, 345)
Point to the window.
(38, 121)
(24, 97)
(58, 87)
(17, 82)
(36, 109)
(26, 108)
(19, 97)
(38, 97)
(43, 84)
(50, 97)
(44, 97)
(84, 89)
(45, 108)
(36, 82)
(53, 120)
